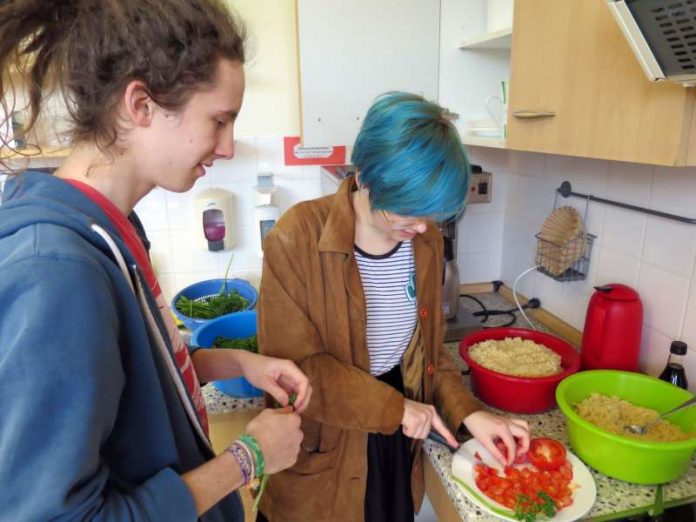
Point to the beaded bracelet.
(242, 454)
(253, 445)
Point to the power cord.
(486, 313)
(514, 294)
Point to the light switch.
(480, 187)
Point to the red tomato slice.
(546, 454)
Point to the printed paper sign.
(296, 154)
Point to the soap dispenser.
(266, 213)
(214, 209)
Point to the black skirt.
(388, 495)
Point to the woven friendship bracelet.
(253, 445)
(242, 455)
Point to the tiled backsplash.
(170, 222)
(653, 255)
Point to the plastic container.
(518, 394)
(621, 457)
(209, 288)
(235, 326)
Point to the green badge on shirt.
(411, 287)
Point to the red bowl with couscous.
(513, 393)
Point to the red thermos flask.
(613, 325)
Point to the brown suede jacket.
(312, 310)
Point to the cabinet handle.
(533, 115)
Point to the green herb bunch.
(527, 509)
(213, 306)
(250, 344)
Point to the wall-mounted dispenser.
(266, 212)
(215, 219)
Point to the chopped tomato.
(519, 482)
(546, 454)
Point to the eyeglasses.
(402, 224)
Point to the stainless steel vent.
(662, 34)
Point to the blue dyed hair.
(411, 158)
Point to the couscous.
(516, 356)
(613, 413)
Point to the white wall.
(653, 255)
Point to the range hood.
(662, 34)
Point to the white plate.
(464, 476)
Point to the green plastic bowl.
(622, 457)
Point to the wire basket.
(565, 261)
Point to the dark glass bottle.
(674, 371)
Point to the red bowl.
(518, 394)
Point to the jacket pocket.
(312, 463)
(319, 438)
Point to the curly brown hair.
(92, 49)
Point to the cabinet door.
(353, 50)
(570, 58)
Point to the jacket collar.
(338, 234)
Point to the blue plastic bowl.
(209, 288)
(235, 326)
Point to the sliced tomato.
(546, 454)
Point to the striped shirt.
(388, 282)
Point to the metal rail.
(566, 190)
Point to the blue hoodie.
(91, 425)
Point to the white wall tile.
(664, 297)
(479, 267)
(590, 176)
(189, 256)
(630, 183)
(185, 279)
(688, 331)
(558, 168)
(623, 232)
(615, 267)
(480, 233)
(550, 292)
(311, 188)
(527, 163)
(152, 211)
(270, 154)
(654, 351)
(670, 245)
(674, 190)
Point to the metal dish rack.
(567, 261)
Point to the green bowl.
(622, 457)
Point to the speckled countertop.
(614, 497)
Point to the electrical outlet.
(480, 187)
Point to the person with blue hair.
(351, 291)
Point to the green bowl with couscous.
(624, 458)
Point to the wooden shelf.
(501, 39)
(481, 141)
(34, 153)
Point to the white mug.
(497, 107)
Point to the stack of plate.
(487, 128)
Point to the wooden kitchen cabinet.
(571, 58)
